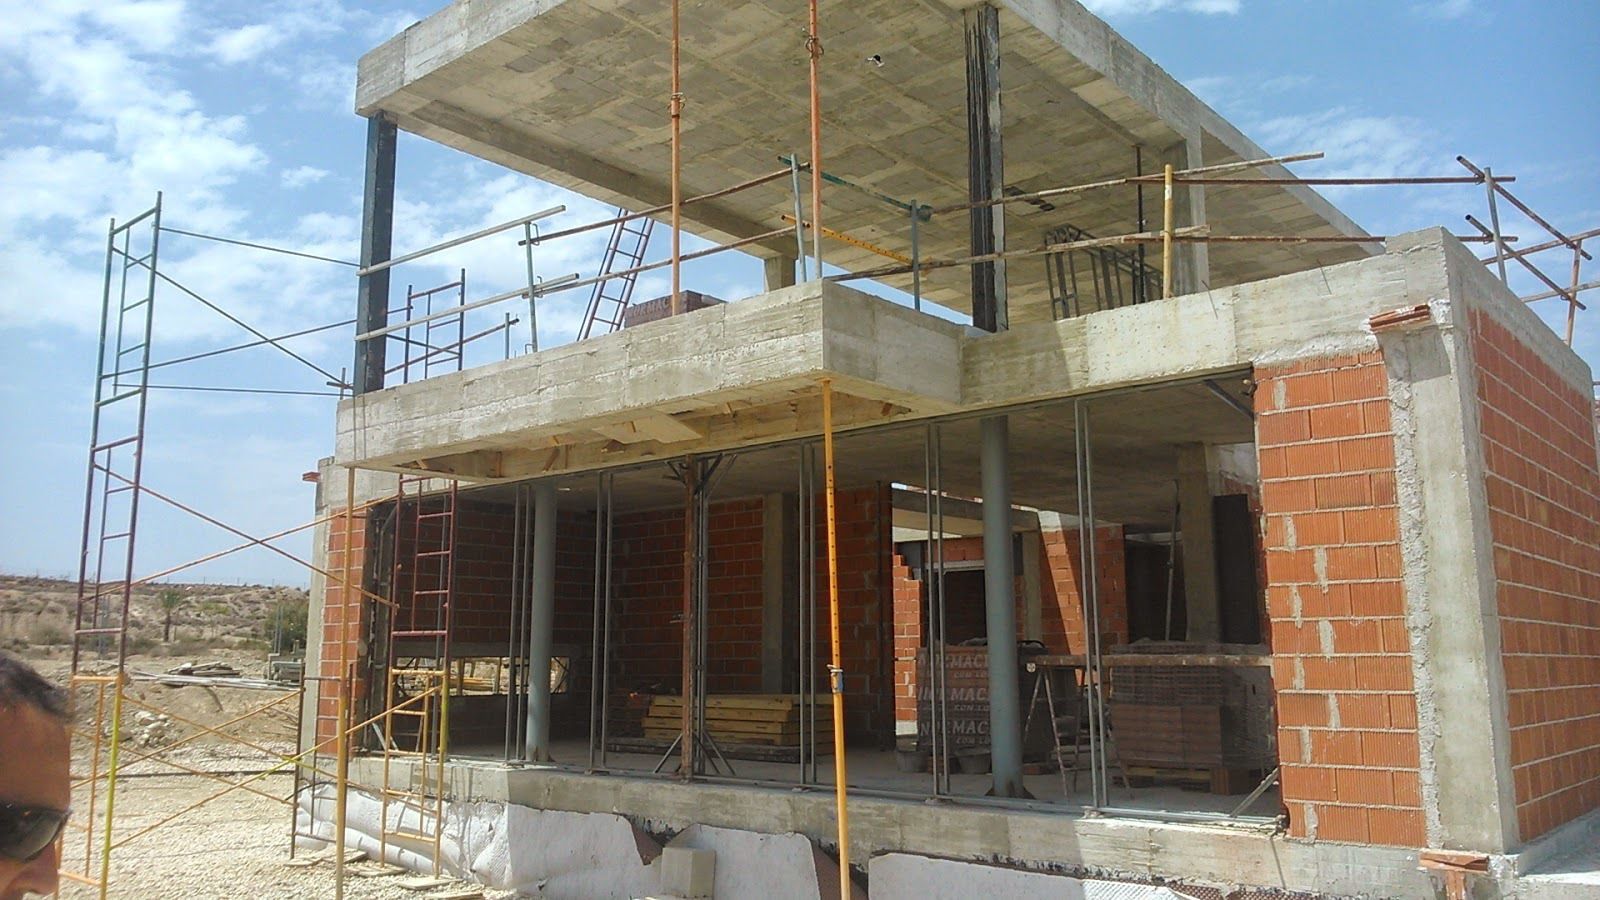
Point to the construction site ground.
(233, 844)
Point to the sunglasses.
(27, 831)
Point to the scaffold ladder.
(624, 254)
(417, 680)
(110, 528)
(420, 342)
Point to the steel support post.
(541, 621)
(1005, 720)
(377, 235)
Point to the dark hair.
(20, 685)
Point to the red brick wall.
(1342, 657)
(343, 612)
(647, 591)
(1061, 610)
(865, 542)
(1544, 516)
(648, 587)
(1061, 600)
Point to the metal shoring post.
(594, 632)
(1083, 599)
(533, 284)
(1172, 559)
(1166, 233)
(605, 644)
(511, 637)
(811, 598)
(801, 520)
(1099, 710)
(927, 590)
(916, 265)
(1141, 291)
(1494, 222)
(799, 216)
(941, 676)
(1572, 298)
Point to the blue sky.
(241, 114)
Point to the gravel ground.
(232, 846)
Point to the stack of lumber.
(766, 719)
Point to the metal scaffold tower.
(111, 515)
(417, 679)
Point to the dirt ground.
(234, 844)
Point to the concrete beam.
(778, 272)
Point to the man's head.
(35, 786)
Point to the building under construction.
(1229, 548)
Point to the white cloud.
(1113, 8)
(244, 44)
(300, 176)
(1443, 9)
(1354, 144)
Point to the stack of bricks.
(1061, 594)
(1341, 652)
(1544, 518)
(908, 615)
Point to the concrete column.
(1463, 729)
(1191, 265)
(985, 165)
(1199, 544)
(1000, 607)
(541, 621)
(778, 272)
(377, 237)
(780, 592)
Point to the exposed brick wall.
(1061, 600)
(865, 541)
(908, 615)
(344, 616)
(1341, 653)
(1543, 489)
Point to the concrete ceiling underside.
(575, 93)
(1134, 455)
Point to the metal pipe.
(563, 283)
(541, 620)
(533, 288)
(605, 672)
(238, 243)
(1494, 220)
(675, 114)
(595, 627)
(513, 652)
(686, 755)
(1497, 185)
(814, 51)
(1114, 182)
(941, 679)
(655, 210)
(376, 267)
(342, 763)
(1547, 245)
(916, 261)
(1166, 233)
(799, 221)
(1005, 722)
(836, 669)
(1572, 296)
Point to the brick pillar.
(1342, 667)
(342, 618)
